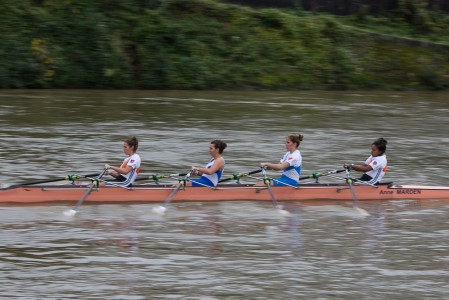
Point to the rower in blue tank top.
(290, 164)
(211, 173)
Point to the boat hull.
(148, 194)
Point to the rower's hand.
(348, 166)
(195, 170)
(107, 172)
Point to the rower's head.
(217, 145)
(293, 140)
(130, 145)
(378, 147)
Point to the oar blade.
(354, 196)
(266, 180)
(161, 209)
(281, 210)
(72, 212)
(362, 212)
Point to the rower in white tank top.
(375, 166)
(126, 174)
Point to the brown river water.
(234, 250)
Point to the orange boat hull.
(148, 194)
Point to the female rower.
(375, 166)
(211, 173)
(127, 172)
(290, 164)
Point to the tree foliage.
(206, 44)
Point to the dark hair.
(132, 142)
(220, 145)
(296, 138)
(381, 144)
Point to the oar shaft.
(254, 172)
(181, 183)
(69, 177)
(240, 175)
(273, 199)
(317, 175)
(354, 196)
(89, 190)
(172, 195)
(156, 177)
(266, 180)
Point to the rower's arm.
(278, 167)
(361, 168)
(218, 165)
(119, 171)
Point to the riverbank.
(203, 44)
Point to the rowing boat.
(226, 192)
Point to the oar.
(95, 183)
(318, 174)
(182, 183)
(267, 180)
(240, 175)
(156, 177)
(68, 177)
(354, 196)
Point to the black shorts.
(120, 178)
(365, 178)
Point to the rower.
(127, 172)
(211, 173)
(290, 163)
(375, 166)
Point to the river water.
(235, 250)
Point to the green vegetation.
(204, 44)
